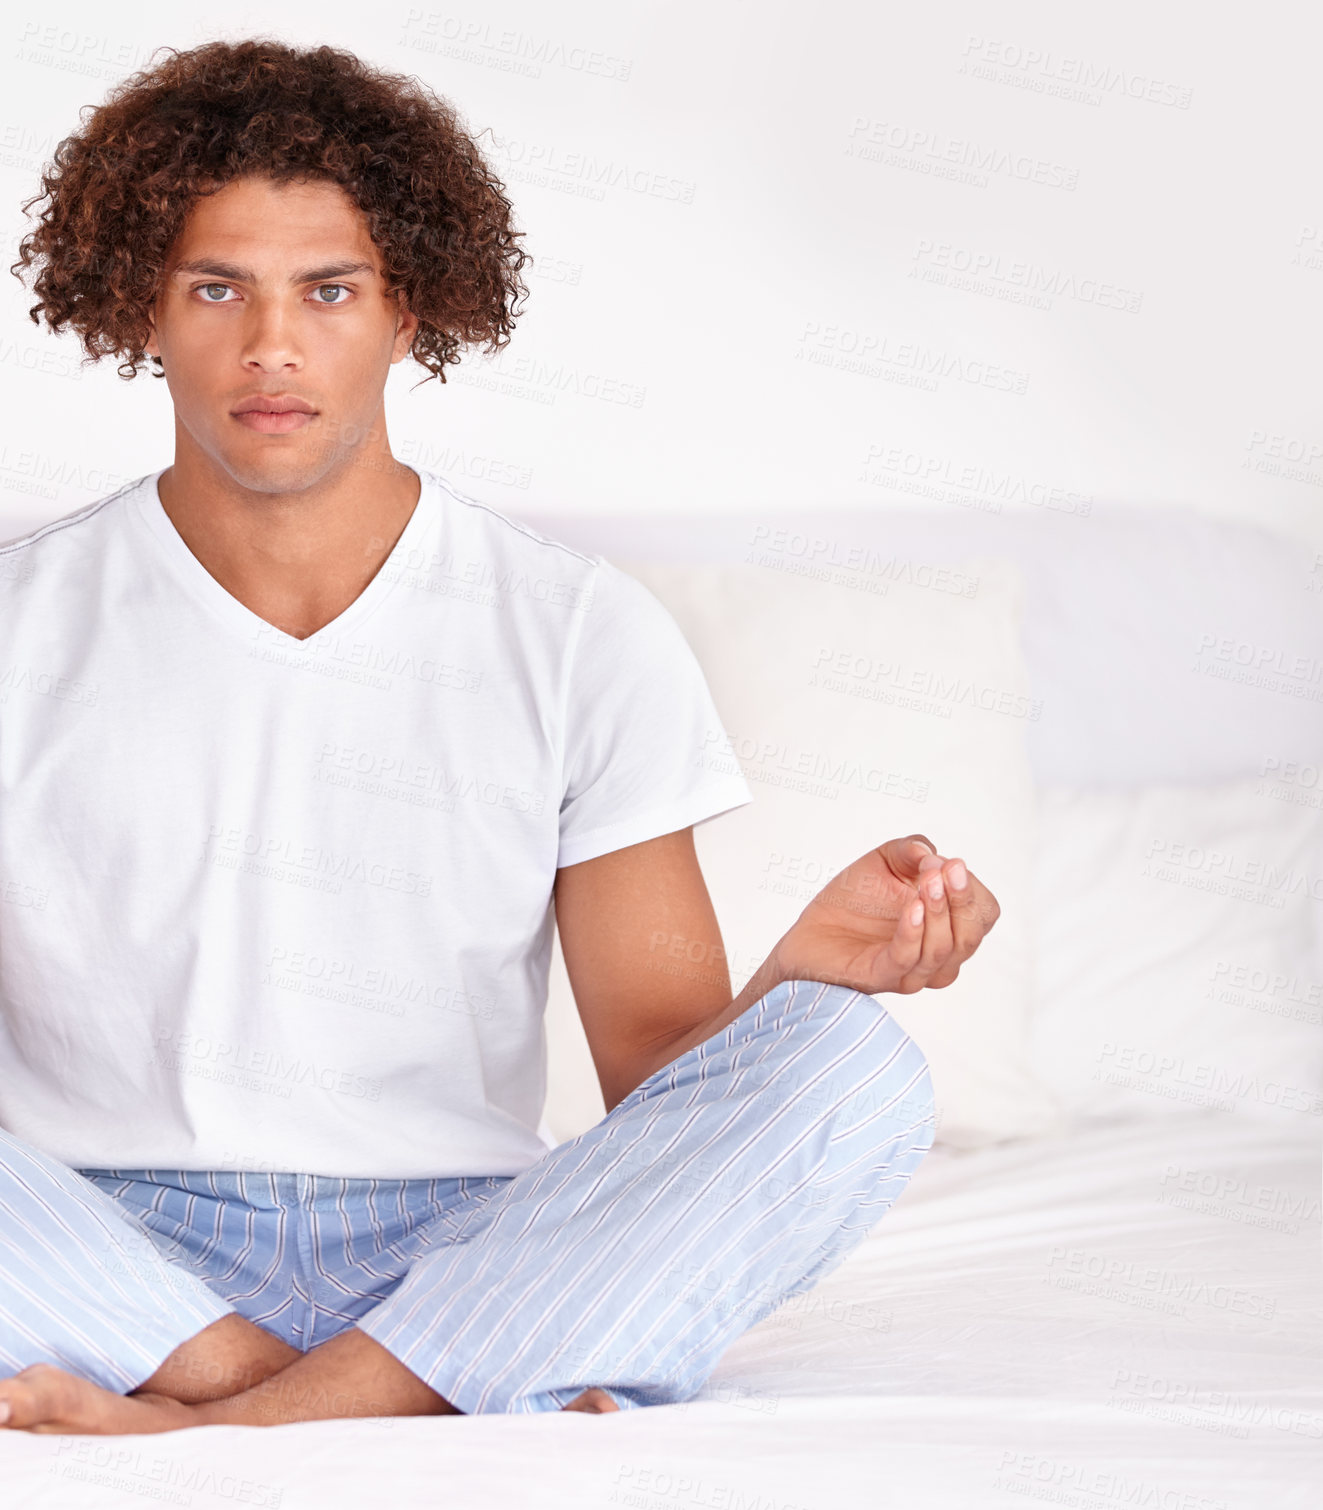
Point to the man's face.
(277, 290)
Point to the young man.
(302, 756)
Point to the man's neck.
(296, 559)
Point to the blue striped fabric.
(81, 1284)
(629, 1257)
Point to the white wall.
(794, 199)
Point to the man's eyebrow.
(208, 267)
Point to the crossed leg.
(236, 1374)
(730, 1180)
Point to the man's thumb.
(906, 853)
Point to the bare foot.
(595, 1401)
(44, 1398)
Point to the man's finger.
(973, 910)
(907, 942)
(938, 939)
(903, 855)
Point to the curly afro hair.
(121, 187)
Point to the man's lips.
(274, 416)
(274, 403)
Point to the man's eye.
(205, 289)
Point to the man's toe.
(595, 1401)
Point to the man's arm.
(900, 918)
(644, 955)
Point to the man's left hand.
(859, 930)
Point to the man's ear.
(406, 327)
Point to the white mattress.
(1032, 1323)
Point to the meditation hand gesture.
(899, 918)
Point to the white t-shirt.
(287, 904)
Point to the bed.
(1104, 1286)
(996, 1340)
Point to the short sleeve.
(645, 752)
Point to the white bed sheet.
(972, 1352)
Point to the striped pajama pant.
(629, 1257)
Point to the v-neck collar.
(207, 590)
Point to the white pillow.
(861, 710)
(1178, 952)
